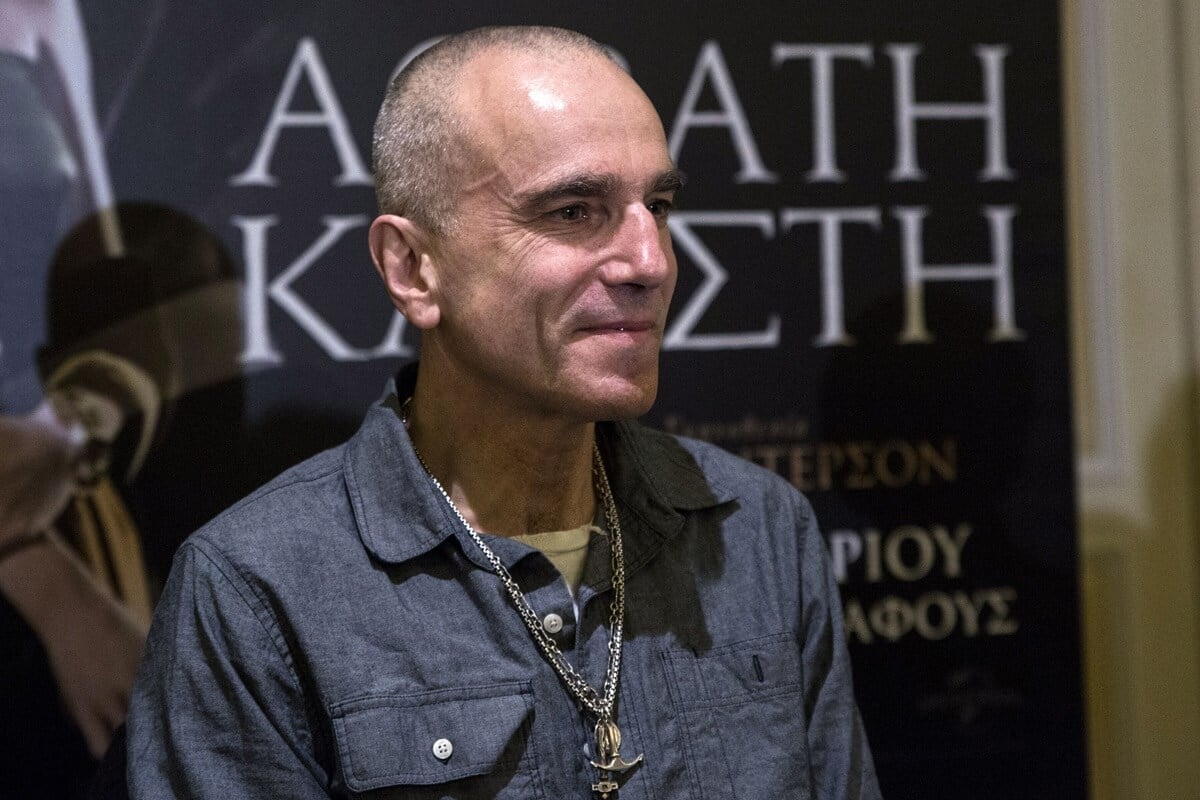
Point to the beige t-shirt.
(567, 551)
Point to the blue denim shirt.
(319, 637)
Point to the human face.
(554, 283)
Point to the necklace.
(601, 705)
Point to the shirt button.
(443, 749)
(552, 623)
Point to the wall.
(1133, 137)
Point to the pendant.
(608, 754)
(605, 786)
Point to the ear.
(402, 259)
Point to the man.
(488, 592)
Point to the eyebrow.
(671, 180)
(593, 185)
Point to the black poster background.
(941, 471)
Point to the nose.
(642, 251)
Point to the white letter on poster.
(711, 63)
(908, 111)
(307, 61)
(833, 329)
(825, 166)
(917, 273)
(845, 547)
(259, 347)
(679, 334)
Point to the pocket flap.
(735, 673)
(386, 740)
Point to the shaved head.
(420, 142)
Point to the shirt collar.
(401, 515)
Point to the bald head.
(421, 141)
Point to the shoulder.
(283, 516)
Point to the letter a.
(710, 63)
(331, 116)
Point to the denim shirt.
(322, 635)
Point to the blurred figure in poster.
(145, 349)
(140, 359)
(68, 648)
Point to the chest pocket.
(741, 714)
(455, 743)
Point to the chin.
(623, 399)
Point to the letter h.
(917, 273)
(908, 111)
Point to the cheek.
(520, 251)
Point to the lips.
(626, 332)
(621, 326)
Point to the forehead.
(532, 117)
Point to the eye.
(660, 208)
(571, 213)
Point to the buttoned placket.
(547, 593)
(583, 641)
(592, 636)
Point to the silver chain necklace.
(608, 735)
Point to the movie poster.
(871, 302)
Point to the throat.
(511, 499)
(507, 478)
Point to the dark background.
(184, 93)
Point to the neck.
(509, 472)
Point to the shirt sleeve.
(839, 755)
(217, 709)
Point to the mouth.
(634, 322)
(621, 327)
(628, 328)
